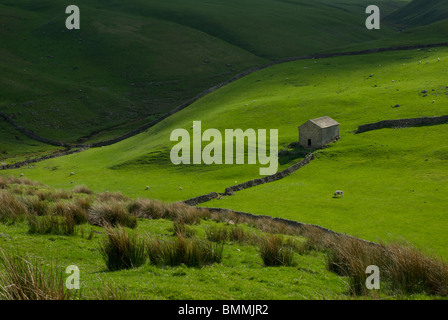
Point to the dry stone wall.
(403, 123)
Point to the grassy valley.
(134, 61)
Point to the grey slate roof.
(324, 122)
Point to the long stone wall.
(34, 136)
(273, 177)
(28, 162)
(251, 183)
(291, 223)
(403, 123)
(201, 199)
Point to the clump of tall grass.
(185, 213)
(403, 268)
(111, 213)
(50, 224)
(36, 206)
(82, 189)
(148, 209)
(4, 184)
(274, 252)
(84, 203)
(154, 209)
(238, 234)
(190, 252)
(19, 181)
(316, 239)
(53, 195)
(410, 270)
(11, 208)
(22, 280)
(71, 210)
(350, 257)
(112, 196)
(218, 234)
(121, 250)
(181, 229)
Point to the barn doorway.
(309, 142)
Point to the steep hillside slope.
(132, 61)
(419, 12)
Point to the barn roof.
(324, 122)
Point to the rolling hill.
(419, 13)
(132, 61)
(368, 166)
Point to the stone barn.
(316, 133)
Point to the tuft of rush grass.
(111, 213)
(71, 210)
(147, 208)
(350, 257)
(238, 234)
(181, 229)
(53, 195)
(35, 206)
(155, 209)
(22, 280)
(121, 250)
(274, 252)
(51, 224)
(218, 234)
(11, 208)
(5, 181)
(410, 270)
(190, 252)
(82, 189)
(404, 268)
(185, 213)
(112, 196)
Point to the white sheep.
(147, 188)
(180, 188)
(338, 193)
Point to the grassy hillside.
(419, 13)
(127, 249)
(15, 146)
(368, 167)
(132, 61)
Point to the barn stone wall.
(329, 134)
(309, 130)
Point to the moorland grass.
(122, 250)
(21, 279)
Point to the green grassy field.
(241, 275)
(284, 97)
(254, 259)
(133, 61)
